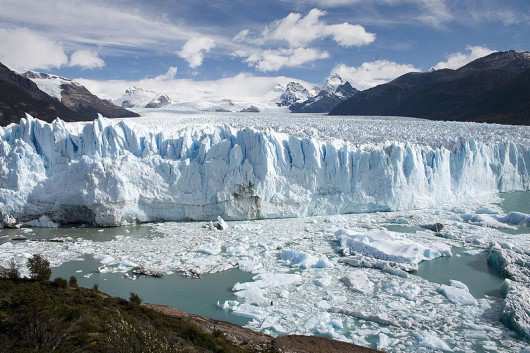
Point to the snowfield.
(169, 166)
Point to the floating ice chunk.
(299, 258)
(484, 220)
(516, 218)
(358, 281)
(42, 222)
(431, 340)
(389, 246)
(221, 224)
(457, 293)
(516, 311)
(9, 221)
(270, 280)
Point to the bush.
(135, 299)
(72, 282)
(12, 272)
(60, 282)
(39, 268)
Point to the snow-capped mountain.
(76, 97)
(159, 101)
(239, 94)
(136, 97)
(294, 93)
(334, 91)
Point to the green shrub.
(39, 268)
(72, 282)
(135, 299)
(12, 272)
(60, 282)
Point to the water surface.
(197, 296)
(472, 270)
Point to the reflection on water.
(473, 270)
(197, 296)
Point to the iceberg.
(111, 172)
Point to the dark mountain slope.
(19, 95)
(495, 88)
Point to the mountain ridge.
(470, 93)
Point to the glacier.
(113, 172)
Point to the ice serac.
(107, 173)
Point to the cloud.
(432, 12)
(373, 73)
(299, 31)
(86, 59)
(241, 88)
(170, 74)
(119, 25)
(459, 59)
(275, 59)
(22, 49)
(194, 50)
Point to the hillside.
(495, 88)
(49, 317)
(20, 95)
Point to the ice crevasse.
(108, 173)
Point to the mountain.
(495, 88)
(138, 97)
(76, 97)
(334, 91)
(19, 95)
(294, 93)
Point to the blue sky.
(368, 40)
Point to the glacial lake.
(200, 296)
(196, 296)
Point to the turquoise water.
(197, 296)
(473, 270)
(94, 234)
(517, 201)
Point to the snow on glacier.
(186, 167)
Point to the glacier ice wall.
(109, 173)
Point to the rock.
(159, 101)
(250, 109)
(142, 271)
(436, 227)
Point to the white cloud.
(373, 73)
(432, 12)
(459, 59)
(22, 49)
(86, 59)
(194, 50)
(241, 88)
(170, 74)
(275, 59)
(119, 25)
(298, 31)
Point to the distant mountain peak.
(294, 92)
(510, 60)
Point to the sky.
(368, 42)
